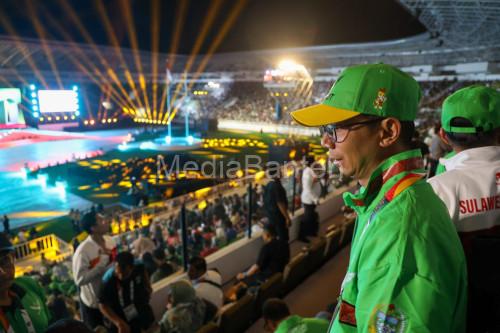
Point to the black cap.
(5, 243)
(88, 221)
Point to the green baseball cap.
(478, 104)
(376, 89)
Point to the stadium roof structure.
(465, 31)
(459, 22)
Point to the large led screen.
(58, 100)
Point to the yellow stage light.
(86, 122)
(92, 122)
(57, 118)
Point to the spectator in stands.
(6, 224)
(278, 319)
(173, 238)
(471, 125)
(417, 143)
(149, 263)
(90, 261)
(56, 304)
(164, 268)
(185, 311)
(276, 204)
(142, 244)
(273, 257)
(437, 150)
(21, 235)
(230, 231)
(124, 296)
(208, 249)
(404, 238)
(207, 283)
(311, 190)
(22, 300)
(157, 232)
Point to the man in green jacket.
(277, 319)
(407, 269)
(22, 300)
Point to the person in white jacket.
(470, 188)
(90, 261)
(311, 190)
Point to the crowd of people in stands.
(251, 101)
(108, 283)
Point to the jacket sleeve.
(82, 270)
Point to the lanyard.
(7, 328)
(349, 275)
(120, 294)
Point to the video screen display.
(11, 95)
(58, 100)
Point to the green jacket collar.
(390, 178)
(287, 324)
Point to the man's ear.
(390, 131)
(442, 135)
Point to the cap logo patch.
(378, 103)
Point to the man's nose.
(327, 142)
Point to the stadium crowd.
(107, 284)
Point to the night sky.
(263, 24)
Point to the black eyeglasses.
(338, 134)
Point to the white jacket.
(89, 265)
(311, 188)
(470, 188)
(209, 291)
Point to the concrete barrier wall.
(241, 254)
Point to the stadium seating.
(332, 243)
(209, 328)
(272, 287)
(347, 232)
(294, 272)
(316, 254)
(239, 316)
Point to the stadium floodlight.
(288, 65)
